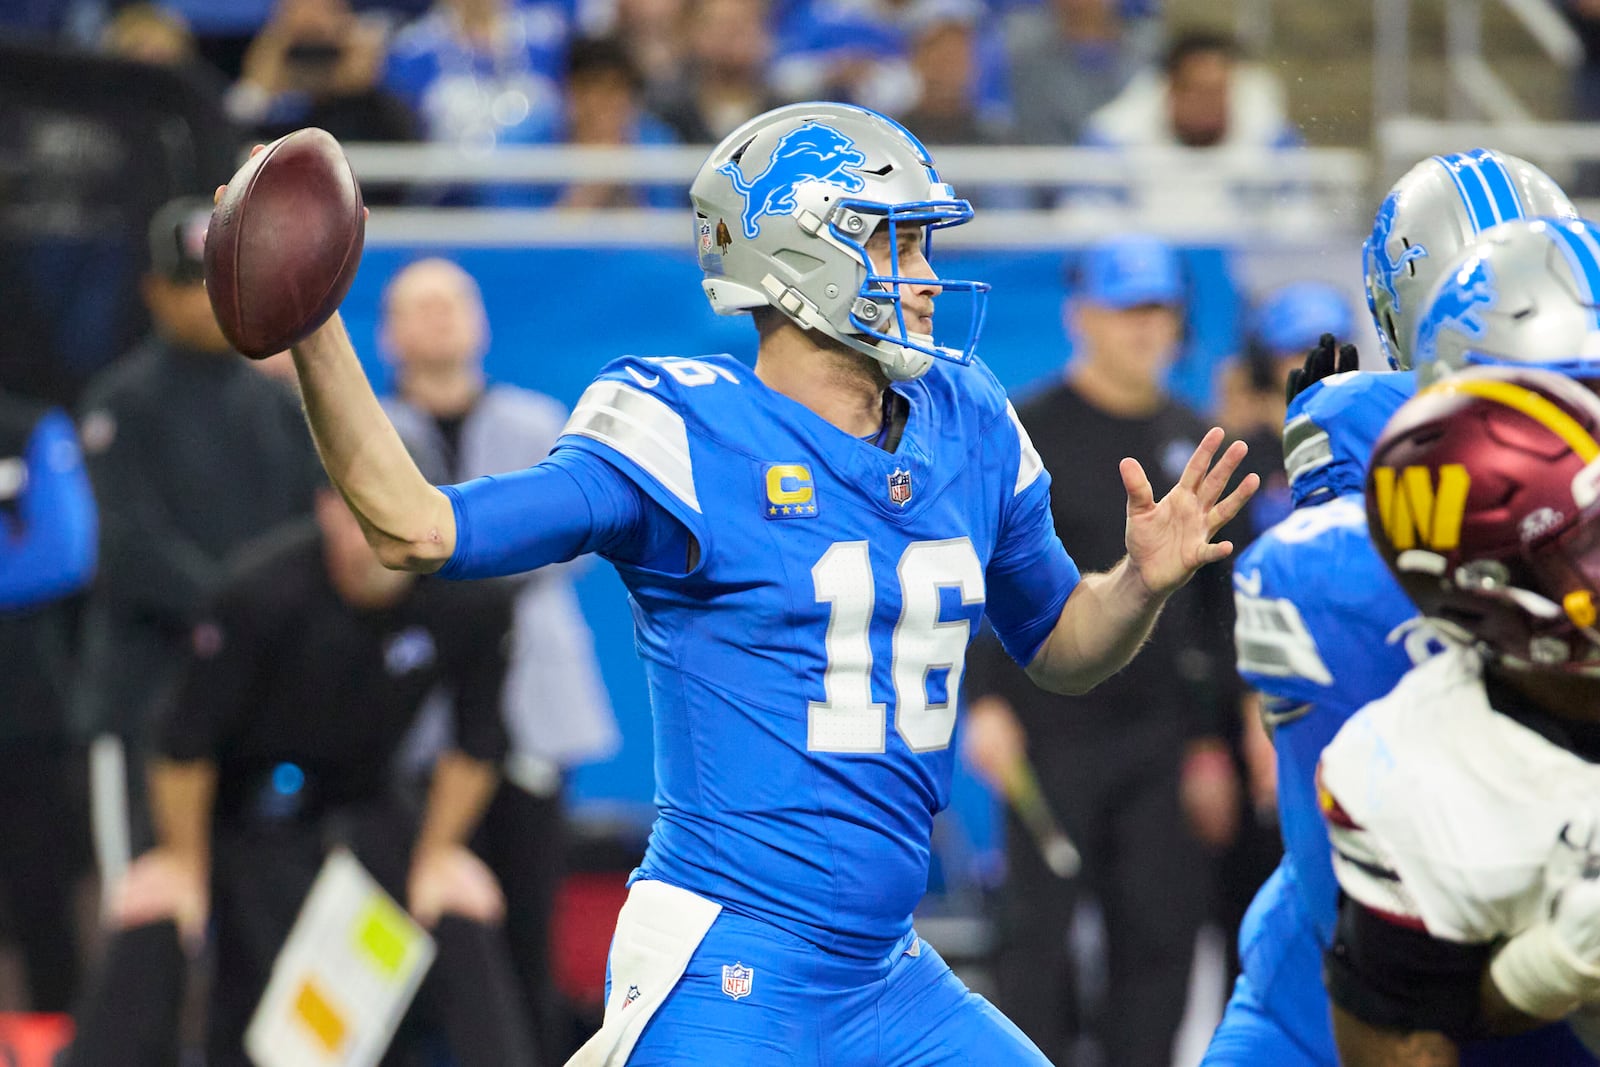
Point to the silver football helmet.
(1526, 293)
(1439, 207)
(783, 210)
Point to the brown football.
(284, 243)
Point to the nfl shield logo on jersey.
(736, 980)
(900, 487)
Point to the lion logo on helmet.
(811, 153)
(1381, 268)
(1459, 307)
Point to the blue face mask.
(878, 313)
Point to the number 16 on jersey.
(848, 719)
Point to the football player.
(808, 545)
(1462, 805)
(1526, 293)
(1321, 626)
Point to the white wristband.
(1539, 976)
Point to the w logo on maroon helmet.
(899, 487)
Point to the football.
(284, 243)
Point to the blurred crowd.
(480, 73)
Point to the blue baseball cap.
(1130, 271)
(1294, 317)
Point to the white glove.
(1553, 967)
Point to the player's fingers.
(216, 197)
(1323, 356)
(257, 150)
(1216, 551)
(1226, 509)
(1200, 462)
(1221, 474)
(1137, 486)
(1349, 359)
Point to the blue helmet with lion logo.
(1438, 208)
(1526, 293)
(783, 210)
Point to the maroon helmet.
(1483, 496)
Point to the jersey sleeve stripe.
(642, 428)
(1030, 465)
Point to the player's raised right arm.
(408, 522)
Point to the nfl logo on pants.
(736, 980)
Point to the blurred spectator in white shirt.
(724, 82)
(1203, 97)
(1067, 59)
(482, 72)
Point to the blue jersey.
(1323, 628)
(805, 665)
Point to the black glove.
(1329, 357)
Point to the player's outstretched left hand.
(1168, 540)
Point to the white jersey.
(1443, 812)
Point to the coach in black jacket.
(192, 452)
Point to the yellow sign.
(385, 936)
(319, 1016)
(1414, 510)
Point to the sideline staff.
(304, 676)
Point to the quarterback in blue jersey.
(1323, 627)
(808, 544)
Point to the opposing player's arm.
(409, 523)
(1405, 990)
(1363, 1045)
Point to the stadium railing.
(1561, 148)
(1216, 196)
(1474, 83)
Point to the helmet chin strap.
(900, 364)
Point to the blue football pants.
(808, 1008)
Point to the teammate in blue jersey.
(1322, 626)
(808, 545)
